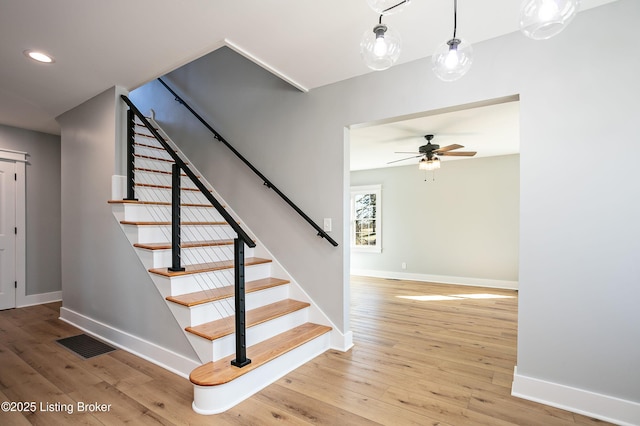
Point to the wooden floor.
(424, 355)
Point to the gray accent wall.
(579, 204)
(460, 221)
(102, 277)
(42, 206)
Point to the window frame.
(359, 190)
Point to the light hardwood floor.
(424, 354)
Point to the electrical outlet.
(404, 265)
(327, 224)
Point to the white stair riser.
(190, 233)
(196, 315)
(162, 258)
(161, 179)
(151, 152)
(197, 282)
(212, 311)
(164, 195)
(154, 213)
(147, 163)
(217, 399)
(226, 345)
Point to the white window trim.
(367, 189)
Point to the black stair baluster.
(131, 195)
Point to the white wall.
(459, 225)
(105, 288)
(579, 209)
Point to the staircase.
(201, 294)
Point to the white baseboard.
(440, 279)
(341, 342)
(38, 299)
(599, 406)
(153, 353)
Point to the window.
(366, 223)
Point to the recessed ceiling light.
(39, 56)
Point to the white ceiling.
(310, 43)
(489, 130)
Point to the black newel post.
(241, 338)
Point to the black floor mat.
(85, 346)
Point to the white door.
(7, 235)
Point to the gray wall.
(42, 204)
(268, 122)
(579, 233)
(461, 222)
(102, 277)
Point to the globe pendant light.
(542, 19)
(452, 59)
(380, 48)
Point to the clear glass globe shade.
(381, 6)
(452, 60)
(542, 19)
(380, 51)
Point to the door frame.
(20, 159)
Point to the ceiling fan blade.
(449, 148)
(403, 159)
(458, 154)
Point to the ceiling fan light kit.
(429, 165)
(380, 48)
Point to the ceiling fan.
(430, 153)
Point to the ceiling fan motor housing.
(428, 148)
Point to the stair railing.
(242, 238)
(266, 182)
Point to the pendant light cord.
(455, 17)
(389, 8)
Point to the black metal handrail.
(181, 164)
(267, 182)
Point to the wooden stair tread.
(221, 371)
(192, 244)
(163, 172)
(207, 267)
(148, 157)
(144, 145)
(150, 185)
(143, 223)
(200, 297)
(225, 326)
(157, 203)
